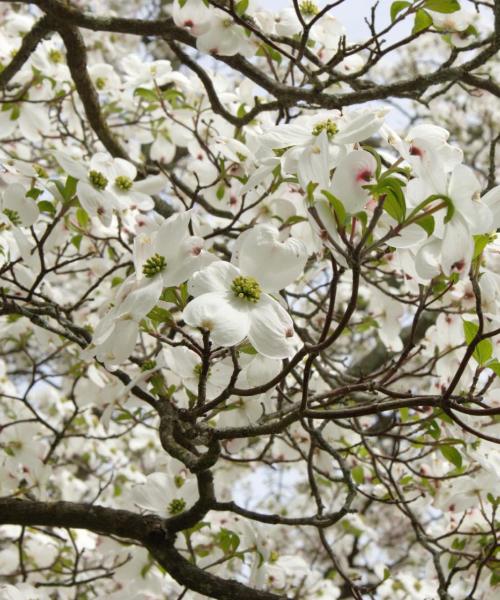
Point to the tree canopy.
(249, 300)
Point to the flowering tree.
(250, 299)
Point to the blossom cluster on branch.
(249, 300)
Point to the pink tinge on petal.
(364, 175)
(416, 151)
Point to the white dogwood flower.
(170, 253)
(165, 495)
(235, 303)
(315, 144)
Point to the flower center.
(40, 171)
(123, 183)
(154, 265)
(98, 180)
(13, 216)
(55, 56)
(100, 83)
(246, 288)
(309, 8)
(329, 126)
(176, 506)
(147, 365)
(198, 369)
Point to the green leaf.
(70, 188)
(33, 193)
(241, 7)
(494, 365)
(484, 349)
(470, 331)
(247, 349)
(427, 223)
(394, 203)
(116, 281)
(184, 294)
(337, 206)
(358, 474)
(160, 315)
(397, 7)
(46, 207)
(169, 295)
(480, 243)
(82, 217)
(495, 578)
(76, 241)
(220, 191)
(366, 324)
(148, 95)
(15, 113)
(423, 20)
(228, 541)
(265, 50)
(434, 430)
(450, 209)
(293, 220)
(442, 6)
(452, 455)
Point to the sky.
(351, 13)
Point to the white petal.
(70, 166)
(151, 185)
(463, 186)
(283, 136)
(172, 233)
(120, 344)
(227, 321)
(427, 259)
(261, 370)
(182, 361)
(458, 246)
(313, 164)
(190, 259)
(358, 126)
(217, 277)
(492, 200)
(272, 263)
(271, 329)
(142, 299)
(353, 172)
(409, 237)
(14, 198)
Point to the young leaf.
(442, 6)
(452, 455)
(397, 7)
(423, 20)
(358, 474)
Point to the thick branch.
(28, 46)
(148, 531)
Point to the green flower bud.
(13, 215)
(329, 126)
(176, 506)
(309, 8)
(98, 180)
(246, 288)
(123, 183)
(154, 265)
(100, 83)
(55, 56)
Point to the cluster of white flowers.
(267, 276)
